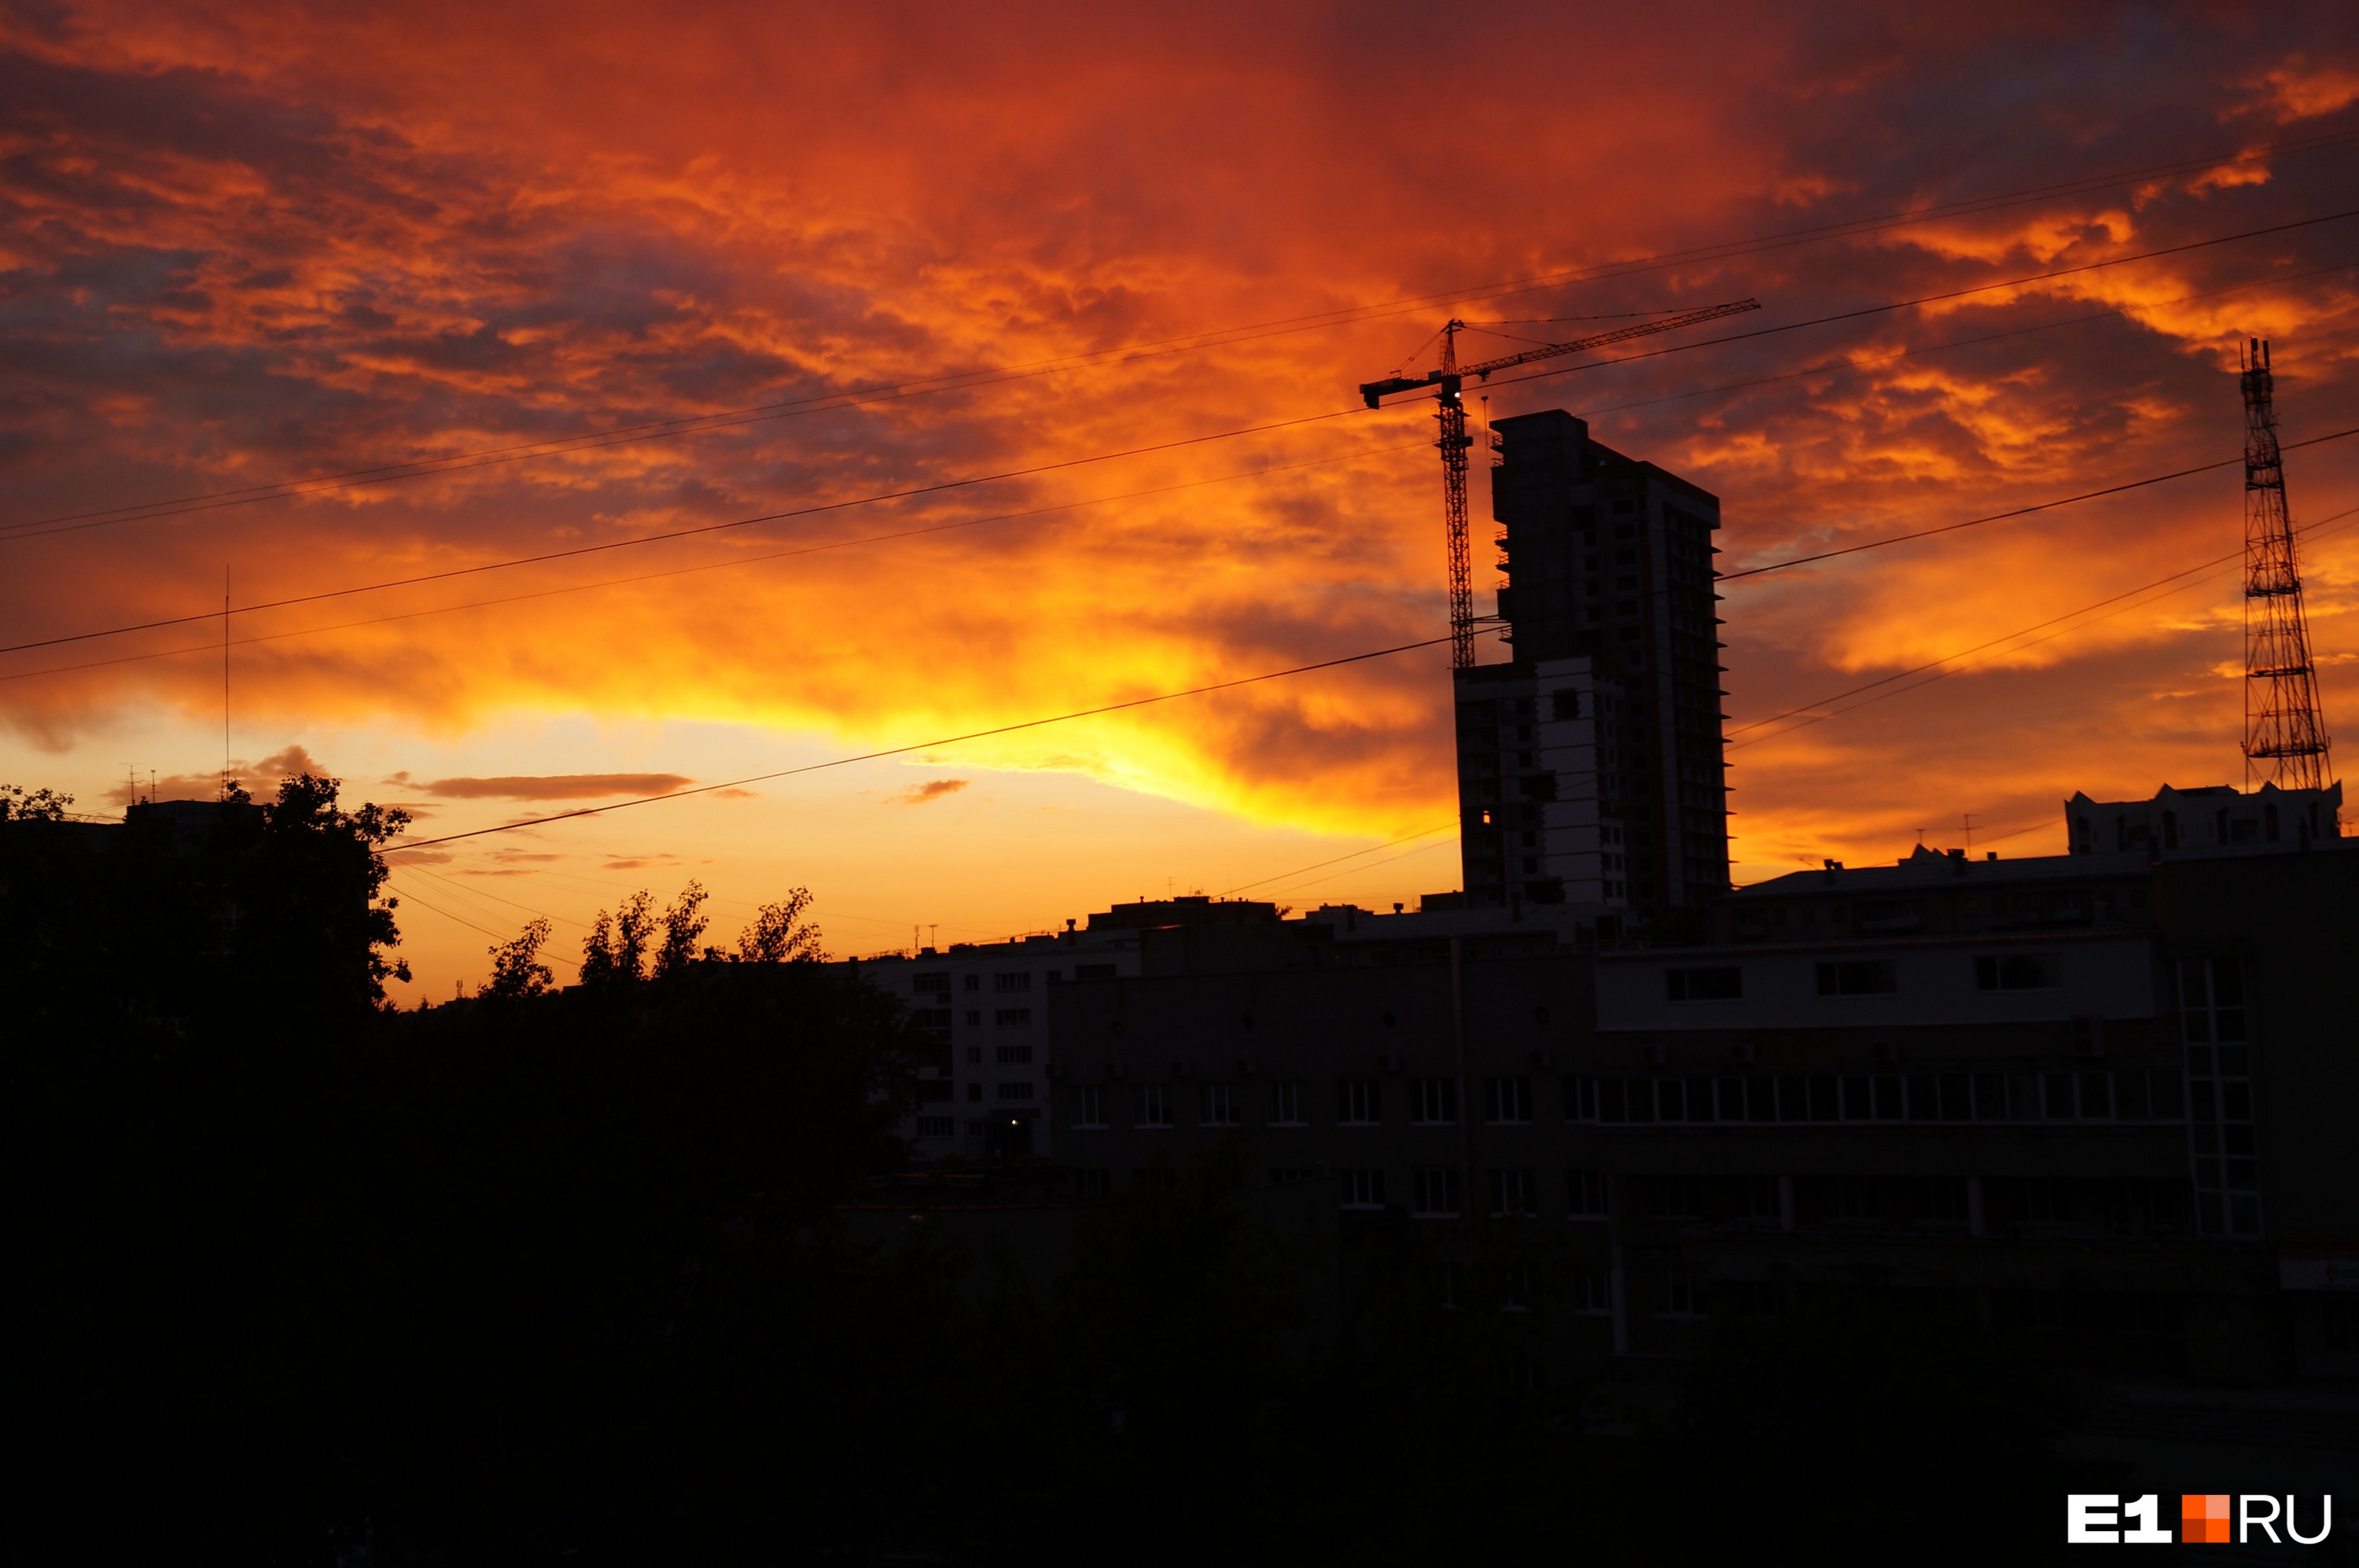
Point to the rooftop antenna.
(227, 768)
(1968, 817)
(2283, 727)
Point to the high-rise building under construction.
(1591, 769)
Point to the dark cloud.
(932, 789)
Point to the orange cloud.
(556, 787)
(244, 243)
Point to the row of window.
(2134, 1207)
(1991, 1096)
(1869, 977)
(1792, 1097)
(939, 982)
(2118, 1206)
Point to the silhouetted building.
(2216, 819)
(2095, 1104)
(1591, 769)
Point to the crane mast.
(1449, 384)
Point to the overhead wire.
(734, 561)
(929, 745)
(1319, 864)
(2011, 513)
(1963, 660)
(956, 381)
(1834, 366)
(1033, 470)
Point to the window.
(1580, 1099)
(1286, 1104)
(1756, 1198)
(1719, 985)
(2220, 1131)
(974, 1016)
(1093, 971)
(1014, 1091)
(1584, 1194)
(1089, 1106)
(2037, 1201)
(1592, 1292)
(973, 982)
(1511, 1100)
(1220, 1105)
(1749, 1298)
(1355, 1102)
(1432, 1100)
(1153, 1105)
(938, 982)
(1847, 1200)
(1564, 703)
(2019, 972)
(937, 1127)
(975, 1091)
(1514, 1194)
(1018, 982)
(1858, 977)
(1941, 1201)
(1092, 1185)
(1362, 1189)
(1013, 1017)
(1011, 1054)
(1291, 1175)
(974, 1054)
(930, 1017)
(1436, 1190)
(1682, 1297)
(1675, 1198)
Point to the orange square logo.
(2203, 1516)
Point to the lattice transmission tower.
(2285, 737)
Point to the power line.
(2016, 512)
(928, 745)
(411, 896)
(723, 565)
(2317, 529)
(1094, 359)
(1833, 365)
(1318, 865)
(1036, 469)
(700, 531)
(1935, 298)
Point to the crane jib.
(1449, 384)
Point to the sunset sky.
(866, 250)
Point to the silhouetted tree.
(779, 934)
(684, 921)
(516, 968)
(615, 953)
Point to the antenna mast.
(2284, 733)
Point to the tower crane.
(1448, 387)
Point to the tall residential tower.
(1591, 769)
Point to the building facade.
(2092, 1105)
(1591, 769)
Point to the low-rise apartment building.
(2092, 1100)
